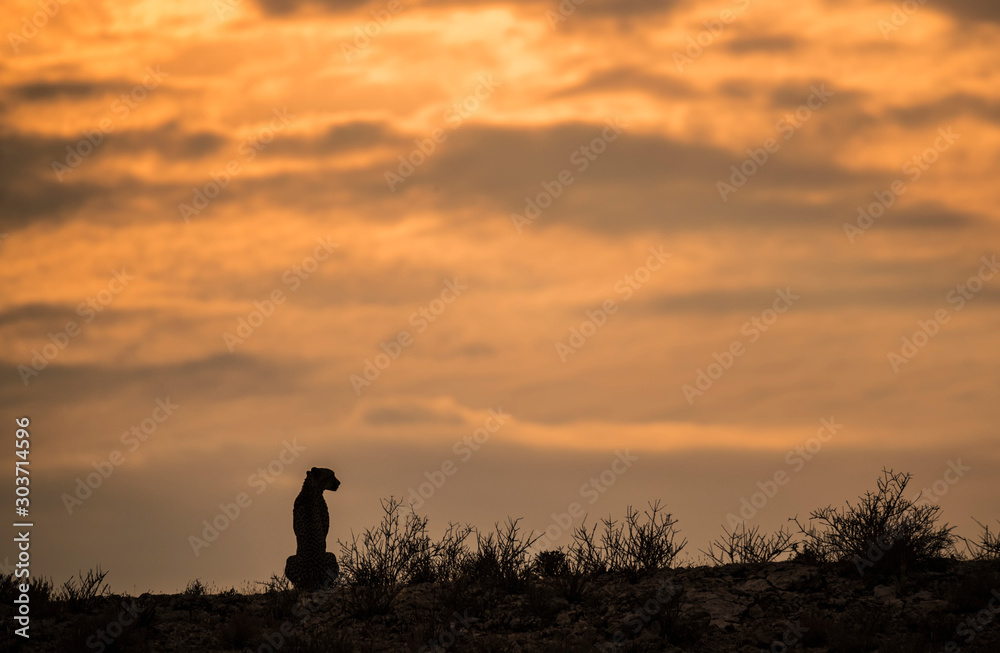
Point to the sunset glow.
(688, 230)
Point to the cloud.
(629, 78)
(396, 416)
(25, 164)
(913, 296)
(33, 191)
(945, 109)
(220, 377)
(770, 44)
(642, 181)
(170, 141)
(597, 8)
(791, 95)
(472, 350)
(980, 10)
(64, 90)
(286, 7)
(933, 217)
(337, 139)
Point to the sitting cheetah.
(311, 565)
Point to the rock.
(725, 610)
(698, 619)
(755, 586)
(884, 592)
(924, 608)
(792, 578)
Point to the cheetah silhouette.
(311, 566)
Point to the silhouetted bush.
(378, 566)
(279, 596)
(501, 558)
(196, 589)
(83, 589)
(986, 548)
(884, 532)
(39, 589)
(632, 546)
(566, 574)
(274, 584)
(742, 546)
(441, 560)
(551, 563)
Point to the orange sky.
(688, 230)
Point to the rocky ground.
(780, 606)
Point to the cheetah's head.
(323, 477)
